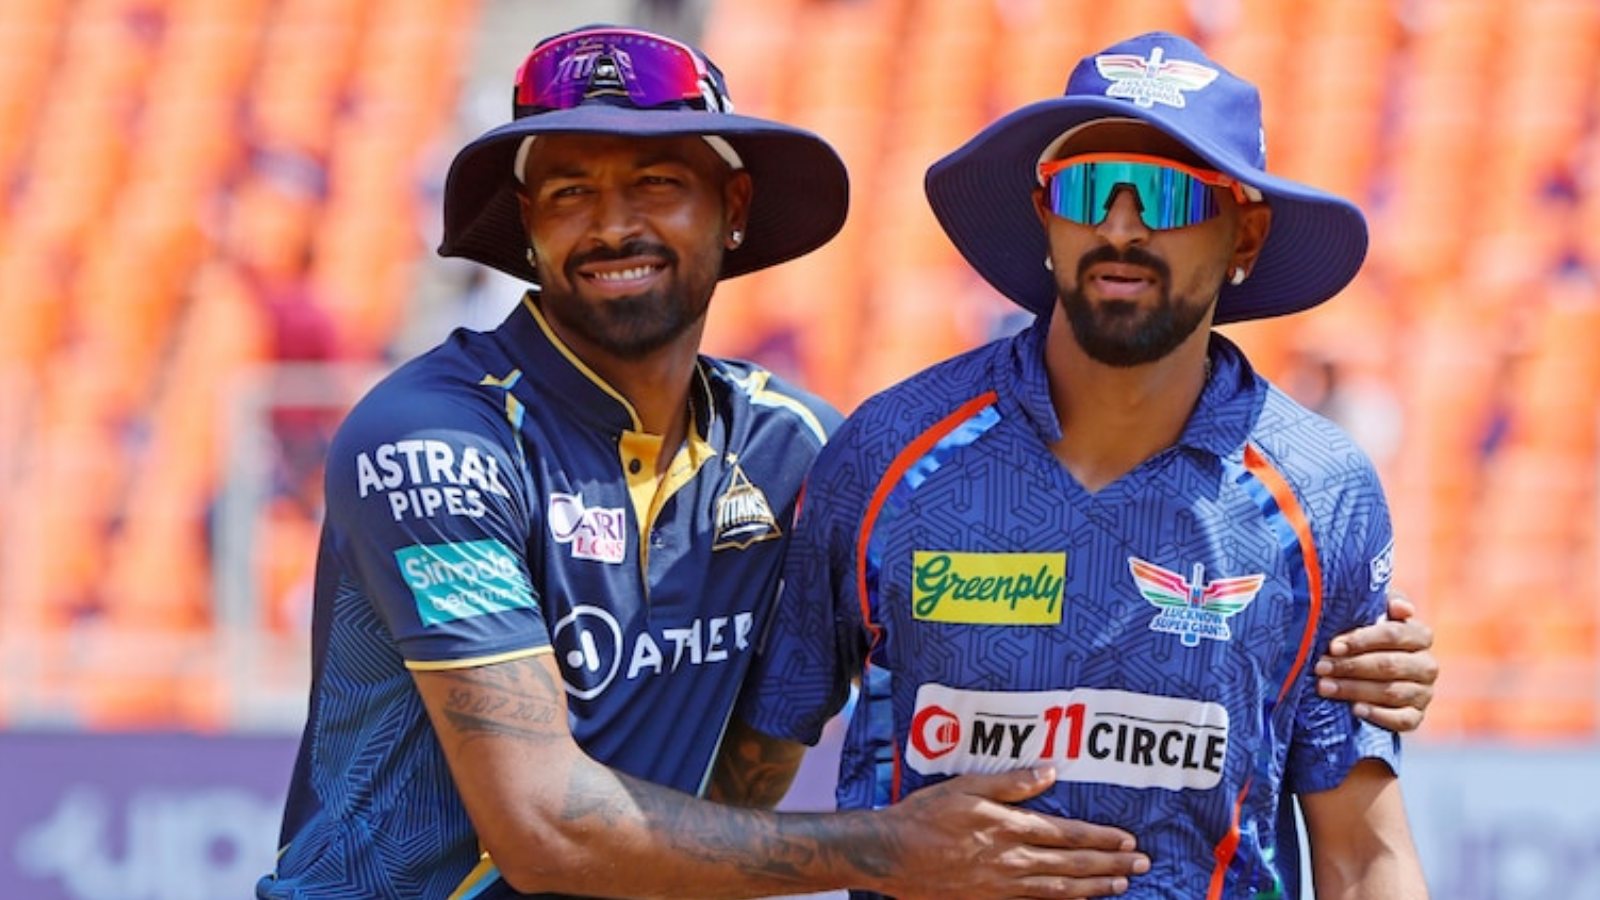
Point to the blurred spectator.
(1366, 408)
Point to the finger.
(1007, 787)
(1392, 694)
(1408, 636)
(1081, 873)
(1400, 606)
(1398, 707)
(1045, 833)
(1397, 720)
(1067, 888)
(1050, 831)
(1381, 667)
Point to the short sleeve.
(802, 671)
(1329, 739)
(429, 516)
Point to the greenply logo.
(456, 581)
(988, 588)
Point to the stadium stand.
(216, 211)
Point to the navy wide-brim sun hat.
(982, 192)
(800, 194)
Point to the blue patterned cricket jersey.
(1152, 640)
(495, 499)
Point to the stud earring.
(1049, 264)
(1238, 276)
(530, 258)
(735, 239)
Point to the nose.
(616, 218)
(1122, 225)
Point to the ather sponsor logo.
(593, 651)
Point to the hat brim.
(981, 195)
(800, 200)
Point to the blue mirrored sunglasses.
(1169, 194)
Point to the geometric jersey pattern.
(480, 509)
(1180, 707)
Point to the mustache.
(624, 251)
(1133, 255)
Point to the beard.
(630, 327)
(1119, 333)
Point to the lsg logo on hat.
(1154, 80)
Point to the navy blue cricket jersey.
(494, 499)
(1153, 639)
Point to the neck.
(656, 384)
(662, 398)
(1114, 418)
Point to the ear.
(736, 193)
(1041, 207)
(1255, 221)
(525, 210)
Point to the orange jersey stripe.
(1294, 514)
(903, 461)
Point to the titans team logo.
(1193, 609)
(743, 515)
(1150, 81)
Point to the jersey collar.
(556, 373)
(1219, 425)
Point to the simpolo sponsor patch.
(457, 581)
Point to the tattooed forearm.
(529, 786)
(599, 793)
(505, 701)
(787, 851)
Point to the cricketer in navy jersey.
(495, 499)
(1151, 640)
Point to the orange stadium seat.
(1119, 20)
(91, 536)
(1457, 308)
(1545, 700)
(1031, 44)
(751, 41)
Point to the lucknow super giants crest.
(1193, 608)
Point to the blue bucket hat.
(613, 80)
(981, 193)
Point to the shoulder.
(915, 410)
(433, 425)
(437, 392)
(1307, 444)
(772, 400)
(926, 397)
(1331, 476)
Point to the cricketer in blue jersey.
(549, 548)
(1106, 543)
